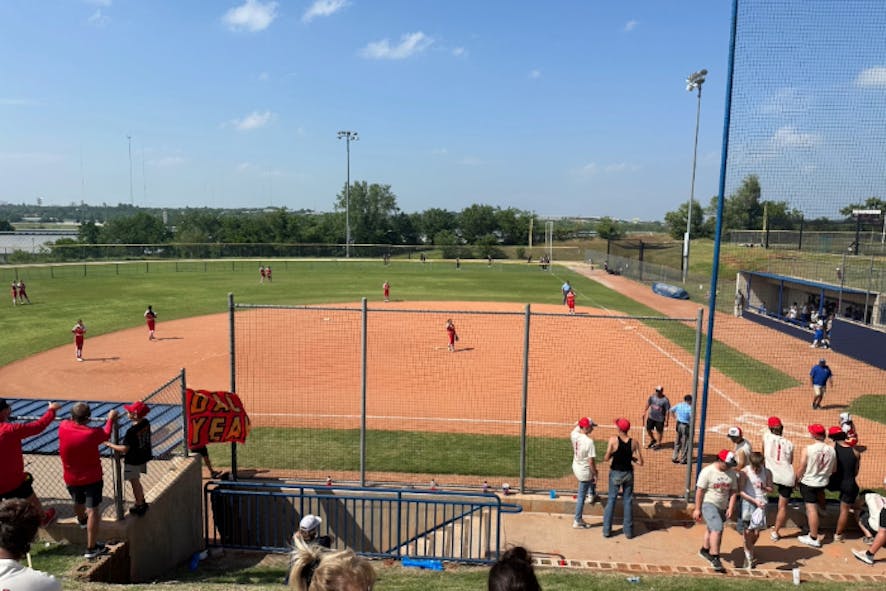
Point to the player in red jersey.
(570, 301)
(386, 288)
(79, 331)
(22, 293)
(268, 273)
(151, 320)
(453, 336)
(261, 272)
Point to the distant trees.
(870, 203)
(5, 226)
(676, 222)
(609, 229)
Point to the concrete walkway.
(668, 545)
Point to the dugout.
(768, 298)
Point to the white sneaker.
(838, 537)
(809, 541)
(774, 536)
(863, 556)
(580, 525)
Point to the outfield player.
(386, 289)
(261, 274)
(565, 289)
(570, 301)
(451, 334)
(151, 320)
(79, 331)
(14, 289)
(22, 293)
(268, 273)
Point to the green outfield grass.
(430, 453)
(870, 406)
(111, 297)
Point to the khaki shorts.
(819, 390)
(134, 471)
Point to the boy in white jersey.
(817, 462)
(753, 484)
(778, 455)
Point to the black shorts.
(882, 518)
(810, 493)
(202, 451)
(848, 493)
(87, 494)
(785, 491)
(22, 491)
(657, 425)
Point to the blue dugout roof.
(806, 283)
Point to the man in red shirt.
(78, 447)
(14, 482)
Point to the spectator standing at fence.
(79, 331)
(318, 569)
(451, 334)
(15, 483)
(82, 467)
(778, 454)
(873, 519)
(742, 447)
(584, 466)
(136, 450)
(656, 416)
(22, 293)
(570, 301)
(151, 321)
(19, 522)
(386, 290)
(623, 452)
(565, 289)
(683, 417)
(820, 376)
(843, 479)
(715, 495)
(817, 462)
(513, 572)
(753, 484)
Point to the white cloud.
(104, 3)
(251, 16)
(323, 8)
(459, 52)
(535, 74)
(630, 26)
(254, 120)
(16, 102)
(788, 137)
(439, 151)
(872, 77)
(410, 44)
(593, 168)
(30, 157)
(244, 167)
(786, 101)
(98, 19)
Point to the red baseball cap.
(623, 424)
(816, 429)
(835, 431)
(775, 422)
(137, 408)
(585, 422)
(727, 457)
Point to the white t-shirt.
(742, 452)
(15, 577)
(778, 455)
(718, 486)
(820, 461)
(875, 503)
(583, 450)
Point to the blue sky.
(565, 107)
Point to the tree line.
(746, 210)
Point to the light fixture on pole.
(129, 139)
(349, 137)
(694, 82)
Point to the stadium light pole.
(350, 136)
(129, 139)
(694, 82)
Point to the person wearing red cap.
(15, 483)
(624, 452)
(584, 466)
(716, 491)
(778, 453)
(843, 479)
(817, 462)
(136, 450)
(151, 321)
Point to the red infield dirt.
(471, 390)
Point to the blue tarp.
(670, 291)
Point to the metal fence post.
(118, 475)
(696, 359)
(363, 393)
(184, 392)
(231, 345)
(524, 401)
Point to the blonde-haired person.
(754, 481)
(318, 569)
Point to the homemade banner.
(215, 417)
